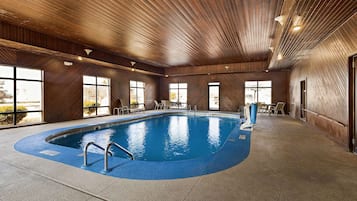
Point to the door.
(352, 102)
(303, 99)
(213, 96)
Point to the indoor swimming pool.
(163, 146)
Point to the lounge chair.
(278, 108)
(122, 109)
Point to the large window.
(137, 99)
(21, 96)
(96, 96)
(258, 92)
(178, 95)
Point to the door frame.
(302, 111)
(219, 94)
(352, 102)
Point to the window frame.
(178, 104)
(136, 91)
(14, 79)
(96, 96)
(257, 87)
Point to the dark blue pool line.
(234, 151)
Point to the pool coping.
(234, 151)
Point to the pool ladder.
(106, 152)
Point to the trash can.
(253, 113)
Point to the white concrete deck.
(288, 161)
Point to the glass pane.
(264, 95)
(140, 84)
(133, 96)
(103, 96)
(264, 83)
(7, 71)
(140, 95)
(103, 81)
(173, 85)
(103, 110)
(214, 97)
(250, 84)
(183, 85)
(89, 96)
(6, 95)
(250, 95)
(28, 118)
(88, 79)
(182, 95)
(174, 95)
(132, 83)
(6, 102)
(29, 95)
(89, 112)
(25, 73)
(6, 120)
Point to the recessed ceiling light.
(297, 28)
(280, 56)
(267, 71)
(132, 69)
(226, 67)
(79, 58)
(166, 75)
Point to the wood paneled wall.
(63, 86)
(326, 74)
(231, 88)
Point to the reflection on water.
(178, 135)
(136, 138)
(101, 137)
(166, 138)
(213, 131)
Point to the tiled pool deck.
(288, 161)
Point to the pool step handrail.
(107, 151)
(85, 151)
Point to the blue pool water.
(181, 146)
(163, 138)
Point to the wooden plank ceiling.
(162, 33)
(186, 32)
(317, 19)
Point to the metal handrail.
(85, 151)
(107, 151)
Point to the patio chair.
(122, 109)
(278, 108)
(158, 105)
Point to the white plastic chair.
(278, 108)
(158, 105)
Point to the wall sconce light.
(80, 58)
(166, 75)
(280, 19)
(88, 51)
(68, 63)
